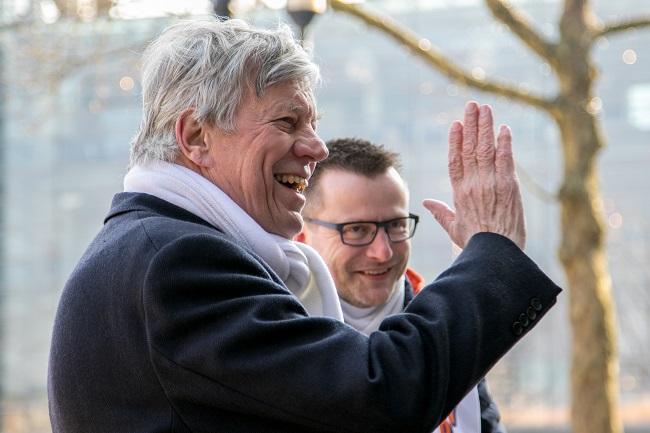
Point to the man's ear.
(190, 137)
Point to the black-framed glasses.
(362, 233)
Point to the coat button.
(523, 319)
(517, 328)
(530, 312)
(536, 304)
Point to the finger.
(485, 153)
(485, 148)
(504, 159)
(455, 164)
(441, 212)
(470, 138)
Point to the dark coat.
(167, 325)
(490, 416)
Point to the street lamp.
(302, 12)
(221, 8)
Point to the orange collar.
(416, 280)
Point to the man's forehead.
(343, 176)
(353, 196)
(289, 96)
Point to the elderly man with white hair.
(193, 311)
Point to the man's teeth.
(295, 182)
(378, 272)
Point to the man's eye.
(356, 231)
(398, 224)
(287, 122)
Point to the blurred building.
(71, 106)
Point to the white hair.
(209, 65)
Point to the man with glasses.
(357, 217)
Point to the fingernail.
(471, 107)
(456, 126)
(484, 110)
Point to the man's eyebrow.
(301, 109)
(296, 108)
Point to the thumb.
(441, 212)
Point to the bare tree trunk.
(594, 360)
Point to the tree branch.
(621, 26)
(423, 49)
(520, 26)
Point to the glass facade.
(71, 105)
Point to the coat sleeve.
(225, 336)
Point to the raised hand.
(485, 187)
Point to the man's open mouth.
(376, 272)
(296, 183)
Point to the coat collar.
(125, 202)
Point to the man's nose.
(311, 146)
(380, 248)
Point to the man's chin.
(374, 297)
(294, 224)
(287, 227)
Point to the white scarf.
(467, 414)
(298, 265)
(367, 319)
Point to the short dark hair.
(354, 155)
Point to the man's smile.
(297, 183)
(376, 272)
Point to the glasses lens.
(358, 233)
(400, 229)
